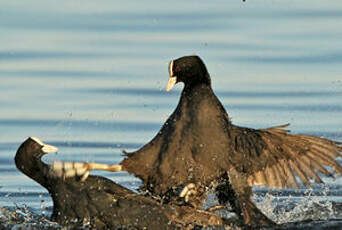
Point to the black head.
(188, 69)
(35, 147)
(31, 151)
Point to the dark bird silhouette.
(100, 203)
(199, 145)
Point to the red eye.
(177, 68)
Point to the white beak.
(172, 79)
(45, 148)
(49, 148)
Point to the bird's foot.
(79, 169)
(70, 169)
(192, 195)
(188, 191)
(215, 208)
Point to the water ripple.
(323, 59)
(87, 144)
(231, 93)
(26, 194)
(128, 126)
(60, 73)
(19, 55)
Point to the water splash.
(295, 209)
(24, 218)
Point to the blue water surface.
(89, 76)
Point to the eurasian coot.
(199, 145)
(100, 203)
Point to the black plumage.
(100, 203)
(199, 144)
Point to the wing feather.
(305, 164)
(292, 181)
(260, 178)
(280, 174)
(271, 178)
(284, 156)
(329, 161)
(300, 173)
(317, 165)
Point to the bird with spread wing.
(198, 145)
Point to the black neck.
(31, 165)
(203, 82)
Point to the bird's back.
(188, 147)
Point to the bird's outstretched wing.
(274, 157)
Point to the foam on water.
(308, 207)
(24, 218)
(299, 210)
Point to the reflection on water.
(90, 78)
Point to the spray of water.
(293, 209)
